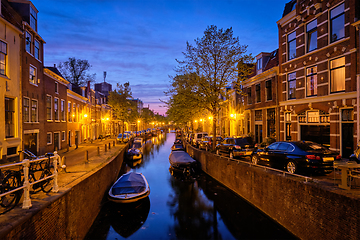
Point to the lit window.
(291, 85)
(48, 107)
(34, 111)
(311, 31)
(32, 75)
(3, 53)
(337, 23)
(56, 109)
(268, 91)
(337, 75)
(69, 112)
(74, 112)
(9, 117)
(63, 110)
(28, 42)
(291, 45)
(311, 81)
(26, 109)
(37, 50)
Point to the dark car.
(209, 143)
(236, 147)
(296, 156)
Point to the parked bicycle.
(12, 179)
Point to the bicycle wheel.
(47, 185)
(9, 183)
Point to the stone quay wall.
(69, 214)
(309, 210)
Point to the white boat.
(130, 187)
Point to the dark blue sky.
(137, 41)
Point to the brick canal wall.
(69, 214)
(308, 210)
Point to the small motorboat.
(130, 187)
(181, 161)
(134, 154)
(177, 147)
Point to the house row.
(41, 111)
(308, 88)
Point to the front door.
(347, 139)
(56, 141)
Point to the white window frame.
(47, 134)
(3, 52)
(63, 136)
(33, 78)
(27, 46)
(56, 109)
(28, 120)
(51, 108)
(36, 111)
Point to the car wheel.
(254, 159)
(291, 167)
(231, 155)
(217, 152)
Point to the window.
(33, 75)
(3, 53)
(311, 81)
(56, 87)
(257, 93)
(37, 49)
(291, 85)
(291, 45)
(249, 95)
(62, 107)
(34, 111)
(74, 112)
(33, 19)
(9, 117)
(69, 111)
(49, 138)
(288, 126)
(258, 115)
(56, 109)
(26, 109)
(271, 122)
(11, 151)
(259, 64)
(63, 136)
(48, 107)
(268, 90)
(28, 42)
(337, 23)
(337, 75)
(311, 32)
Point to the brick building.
(317, 72)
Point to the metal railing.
(26, 184)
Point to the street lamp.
(138, 121)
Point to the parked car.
(197, 137)
(236, 147)
(124, 139)
(356, 155)
(296, 156)
(218, 141)
(204, 143)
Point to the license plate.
(327, 159)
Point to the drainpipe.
(356, 24)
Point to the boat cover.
(180, 158)
(129, 183)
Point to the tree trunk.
(214, 134)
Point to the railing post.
(105, 147)
(27, 200)
(98, 150)
(86, 156)
(55, 161)
(109, 146)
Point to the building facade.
(317, 73)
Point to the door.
(77, 138)
(30, 142)
(347, 139)
(258, 133)
(56, 141)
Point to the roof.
(289, 7)
(55, 70)
(273, 60)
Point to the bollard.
(98, 150)
(109, 146)
(105, 148)
(114, 143)
(86, 156)
(63, 163)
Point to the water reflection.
(182, 207)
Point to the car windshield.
(244, 141)
(311, 147)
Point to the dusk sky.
(137, 41)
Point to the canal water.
(179, 208)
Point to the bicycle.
(8, 183)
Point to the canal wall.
(309, 210)
(68, 214)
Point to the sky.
(138, 41)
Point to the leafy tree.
(75, 71)
(120, 102)
(215, 62)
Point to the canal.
(177, 208)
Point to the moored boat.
(181, 161)
(130, 187)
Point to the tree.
(75, 71)
(215, 62)
(120, 102)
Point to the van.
(197, 138)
